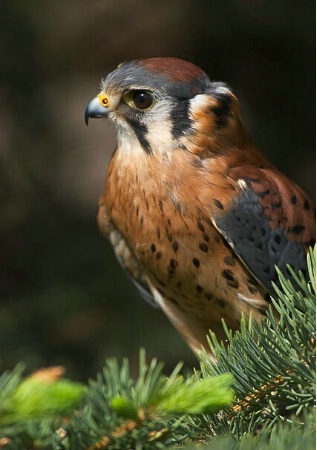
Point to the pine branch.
(118, 412)
(282, 436)
(273, 362)
(151, 413)
(273, 368)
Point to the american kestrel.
(197, 216)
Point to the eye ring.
(140, 99)
(103, 99)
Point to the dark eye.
(142, 99)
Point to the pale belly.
(191, 271)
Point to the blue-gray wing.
(270, 222)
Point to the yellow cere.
(103, 99)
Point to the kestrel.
(197, 216)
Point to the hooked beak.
(95, 110)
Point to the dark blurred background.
(63, 297)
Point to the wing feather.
(270, 222)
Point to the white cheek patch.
(200, 102)
(159, 128)
(160, 138)
(128, 143)
(204, 101)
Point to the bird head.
(161, 104)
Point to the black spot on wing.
(228, 275)
(218, 203)
(205, 237)
(306, 205)
(297, 229)
(172, 267)
(260, 247)
(196, 262)
(203, 247)
(229, 260)
(275, 205)
(201, 227)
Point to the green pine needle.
(40, 395)
(273, 363)
(197, 396)
(267, 370)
